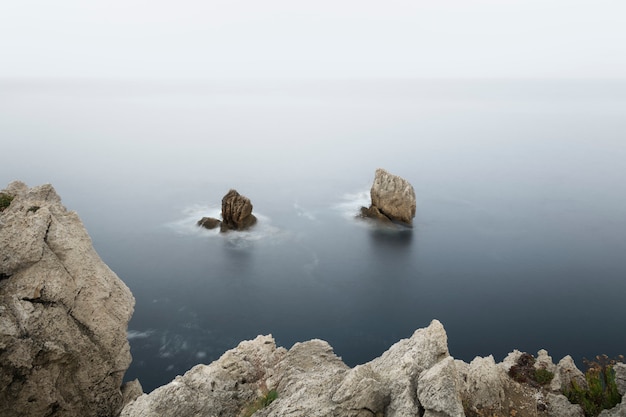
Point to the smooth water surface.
(519, 239)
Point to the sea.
(519, 240)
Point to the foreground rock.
(236, 214)
(393, 199)
(415, 377)
(63, 313)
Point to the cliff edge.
(415, 377)
(63, 312)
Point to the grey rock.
(510, 360)
(309, 378)
(438, 390)
(544, 361)
(567, 373)
(306, 379)
(392, 197)
(620, 377)
(400, 366)
(64, 315)
(559, 406)
(362, 391)
(131, 390)
(484, 383)
(222, 388)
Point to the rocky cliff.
(63, 313)
(415, 377)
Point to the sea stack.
(393, 199)
(236, 214)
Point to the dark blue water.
(519, 239)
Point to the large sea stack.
(63, 312)
(393, 199)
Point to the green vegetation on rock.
(260, 403)
(524, 371)
(601, 391)
(5, 201)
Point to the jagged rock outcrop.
(236, 214)
(63, 313)
(487, 390)
(393, 199)
(222, 388)
(415, 377)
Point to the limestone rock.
(310, 381)
(131, 391)
(620, 377)
(559, 406)
(306, 379)
(438, 390)
(361, 390)
(63, 314)
(392, 197)
(484, 382)
(415, 377)
(400, 366)
(221, 388)
(544, 361)
(566, 372)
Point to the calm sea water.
(519, 239)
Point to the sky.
(209, 39)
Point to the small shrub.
(524, 372)
(5, 201)
(601, 393)
(543, 376)
(260, 403)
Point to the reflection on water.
(399, 238)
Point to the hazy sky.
(317, 38)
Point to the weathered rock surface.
(236, 212)
(415, 377)
(393, 199)
(222, 388)
(63, 313)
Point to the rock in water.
(209, 222)
(63, 313)
(393, 199)
(236, 212)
